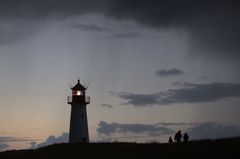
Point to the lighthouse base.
(78, 124)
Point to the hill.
(225, 148)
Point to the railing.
(78, 99)
(87, 99)
(69, 99)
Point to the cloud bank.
(189, 93)
(51, 140)
(196, 131)
(5, 140)
(118, 131)
(213, 130)
(107, 129)
(3, 146)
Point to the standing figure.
(178, 136)
(170, 140)
(185, 137)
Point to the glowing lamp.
(78, 93)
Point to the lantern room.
(78, 94)
(78, 89)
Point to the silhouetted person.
(185, 137)
(170, 140)
(178, 136)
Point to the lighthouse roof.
(78, 86)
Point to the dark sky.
(213, 25)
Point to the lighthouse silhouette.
(78, 121)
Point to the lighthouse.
(78, 121)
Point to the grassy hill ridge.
(224, 148)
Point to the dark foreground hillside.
(227, 148)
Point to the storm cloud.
(139, 100)
(213, 26)
(169, 72)
(189, 93)
(107, 129)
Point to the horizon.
(153, 68)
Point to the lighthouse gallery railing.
(86, 100)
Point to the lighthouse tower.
(78, 121)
